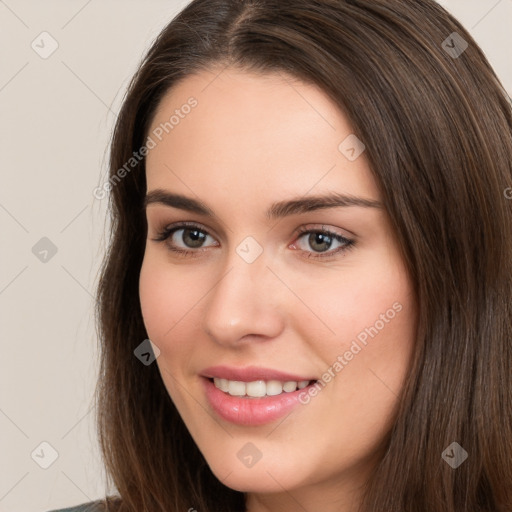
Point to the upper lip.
(251, 374)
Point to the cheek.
(363, 304)
(367, 360)
(373, 315)
(164, 314)
(161, 308)
(170, 306)
(150, 294)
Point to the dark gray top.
(90, 506)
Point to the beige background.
(56, 114)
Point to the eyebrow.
(277, 210)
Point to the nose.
(245, 304)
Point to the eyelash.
(164, 234)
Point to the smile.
(258, 388)
(253, 396)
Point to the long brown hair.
(437, 126)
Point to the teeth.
(274, 387)
(222, 384)
(258, 388)
(290, 386)
(236, 388)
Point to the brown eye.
(192, 237)
(321, 241)
(183, 238)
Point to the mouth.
(259, 388)
(253, 396)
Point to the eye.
(188, 234)
(321, 241)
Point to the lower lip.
(251, 411)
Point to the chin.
(263, 477)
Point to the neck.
(340, 496)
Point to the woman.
(311, 225)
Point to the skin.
(253, 140)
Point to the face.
(285, 322)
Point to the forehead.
(248, 132)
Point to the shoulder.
(90, 506)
